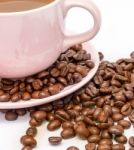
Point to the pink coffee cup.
(32, 40)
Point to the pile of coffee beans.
(99, 112)
(69, 69)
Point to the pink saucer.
(68, 90)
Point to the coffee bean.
(101, 56)
(131, 141)
(26, 96)
(82, 131)
(15, 97)
(94, 130)
(28, 140)
(68, 133)
(72, 148)
(62, 80)
(32, 131)
(117, 116)
(14, 90)
(116, 130)
(90, 146)
(55, 72)
(11, 116)
(37, 84)
(121, 139)
(131, 117)
(53, 125)
(104, 147)
(5, 97)
(21, 111)
(118, 147)
(105, 134)
(67, 124)
(40, 115)
(54, 89)
(27, 148)
(50, 117)
(55, 140)
(94, 139)
(34, 123)
(126, 109)
(81, 69)
(115, 110)
(62, 114)
(106, 142)
(42, 74)
(36, 94)
(46, 107)
(125, 124)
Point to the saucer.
(67, 90)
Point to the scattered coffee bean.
(90, 146)
(11, 116)
(118, 147)
(27, 148)
(121, 139)
(31, 131)
(125, 124)
(28, 140)
(55, 140)
(68, 133)
(72, 148)
(131, 141)
(53, 125)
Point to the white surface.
(115, 40)
(67, 90)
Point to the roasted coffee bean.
(90, 146)
(42, 74)
(68, 133)
(7, 81)
(72, 148)
(21, 111)
(82, 131)
(40, 115)
(14, 90)
(77, 77)
(46, 107)
(54, 89)
(34, 123)
(108, 109)
(106, 141)
(105, 134)
(53, 125)
(116, 130)
(5, 97)
(118, 147)
(117, 116)
(62, 114)
(26, 96)
(28, 140)
(96, 113)
(115, 110)
(126, 109)
(55, 72)
(55, 140)
(132, 54)
(15, 97)
(62, 80)
(121, 139)
(32, 131)
(36, 94)
(82, 70)
(101, 56)
(131, 141)
(131, 117)
(125, 124)
(37, 84)
(104, 147)
(67, 124)
(77, 47)
(27, 148)
(94, 130)
(94, 139)
(50, 117)
(11, 116)
(103, 117)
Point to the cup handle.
(88, 35)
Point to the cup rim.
(30, 10)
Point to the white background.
(115, 40)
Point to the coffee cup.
(32, 40)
